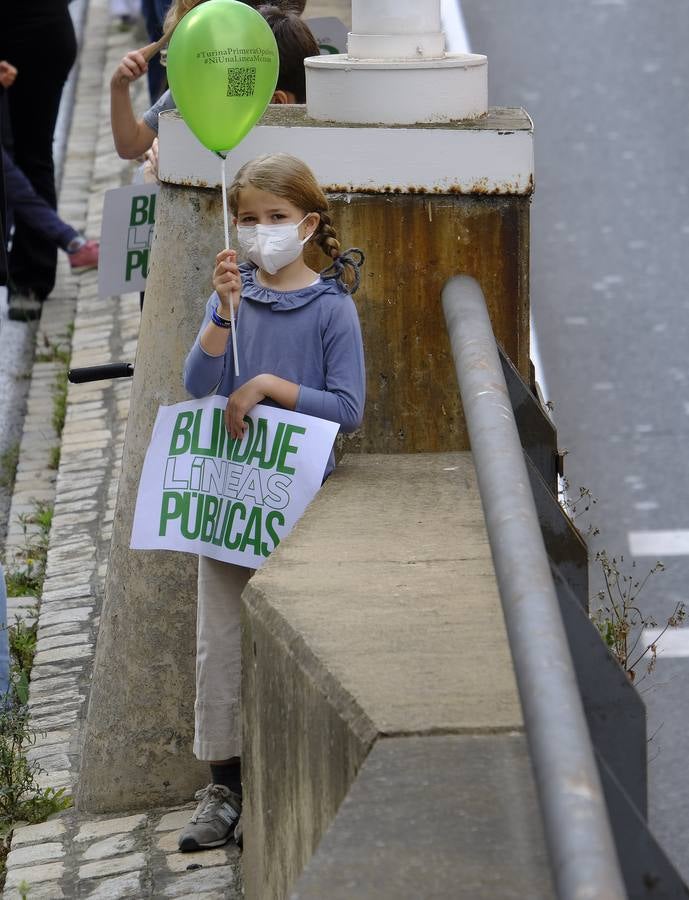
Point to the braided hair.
(290, 178)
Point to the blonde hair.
(290, 178)
(178, 8)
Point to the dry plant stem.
(623, 615)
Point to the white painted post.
(396, 70)
(390, 29)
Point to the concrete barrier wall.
(445, 816)
(311, 739)
(378, 617)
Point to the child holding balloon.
(300, 348)
(134, 136)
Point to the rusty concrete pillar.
(424, 203)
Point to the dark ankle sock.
(228, 774)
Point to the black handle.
(100, 373)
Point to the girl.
(299, 345)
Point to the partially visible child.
(134, 136)
(300, 348)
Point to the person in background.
(154, 12)
(37, 37)
(25, 206)
(3, 205)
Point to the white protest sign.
(330, 34)
(126, 236)
(203, 492)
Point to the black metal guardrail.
(100, 373)
(580, 841)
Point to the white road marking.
(672, 645)
(659, 543)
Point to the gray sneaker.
(214, 819)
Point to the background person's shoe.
(214, 819)
(85, 258)
(23, 306)
(239, 834)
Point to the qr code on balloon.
(241, 82)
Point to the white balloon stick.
(226, 223)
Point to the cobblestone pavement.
(74, 855)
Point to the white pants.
(217, 715)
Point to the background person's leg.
(154, 13)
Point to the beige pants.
(217, 716)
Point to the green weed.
(54, 461)
(60, 402)
(9, 460)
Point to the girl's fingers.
(132, 67)
(234, 420)
(137, 59)
(226, 256)
(129, 72)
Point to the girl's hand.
(240, 402)
(151, 163)
(227, 281)
(131, 67)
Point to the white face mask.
(272, 247)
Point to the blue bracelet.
(218, 319)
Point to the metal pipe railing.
(580, 842)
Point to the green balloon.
(222, 67)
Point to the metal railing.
(580, 842)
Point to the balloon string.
(226, 223)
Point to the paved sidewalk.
(73, 855)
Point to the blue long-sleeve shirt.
(310, 337)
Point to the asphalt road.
(606, 84)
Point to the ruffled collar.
(281, 300)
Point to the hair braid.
(326, 237)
